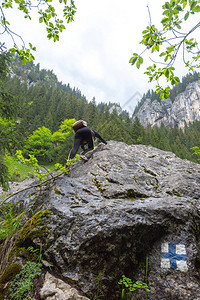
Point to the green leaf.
(167, 5)
(162, 54)
(179, 8)
(157, 89)
(133, 59)
(166, 12)
(177, 80)
(196, 9)
(153, 48)
(173, 3)
(192, 5)
(140, 59)
(184, 3)
(165, 20)
(186, 16)
(166, 73)
(138, 64)
(145, 31)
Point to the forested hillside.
(44, 102)
(46, 109)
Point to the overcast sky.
(94, 51)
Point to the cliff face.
(130, 210)
(185, 108)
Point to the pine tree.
(7, 112)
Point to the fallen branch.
(34, 186)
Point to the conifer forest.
(44, 110)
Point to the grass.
(19, 172)
(49, 166)
(9, 223)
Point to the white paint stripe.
(180, 249)
(182, 266)
(164, 247)
(165, 263)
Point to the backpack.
(79, 124)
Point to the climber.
(84, 135)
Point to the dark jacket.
(83, 136)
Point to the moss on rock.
(10, 273)
(33, 228)
(25, 253)
(6, 278)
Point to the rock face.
(55, 288)
(130, 210)
(185, 108)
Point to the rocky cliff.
(130, 210)
(185, 108)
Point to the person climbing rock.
(84, 135)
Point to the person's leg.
(90, 146)
(77, 142)
(83, 148)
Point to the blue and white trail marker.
(174, 256)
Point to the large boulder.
(131, 209)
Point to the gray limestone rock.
(185, 108)
(55, 288)
(130, 210)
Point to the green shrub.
(129, 289)
(9, 222)
(23, 282)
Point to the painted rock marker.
(174, 256)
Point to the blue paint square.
(173, 256)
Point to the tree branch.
(34, 186)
